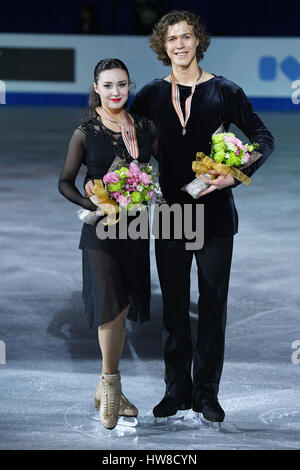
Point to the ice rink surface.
(52, 360)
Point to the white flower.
(139, 188)
(231, 146)
(227, 155)
(243, 160)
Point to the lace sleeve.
(73, 161)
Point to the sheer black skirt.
(115, 273)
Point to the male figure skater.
(184, 128)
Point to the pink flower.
(247, 156)
(124, 200)
(110, 177)
(134, 169)
(150, 194)
(228, 139)
(144, 178)
(237, 142)
(133, 181)
(233, 140)
(129, 188)
(115, 194)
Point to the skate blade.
(215, 425)
(179, 416)
(122, 421)
(127, 421)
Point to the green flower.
(251, 147)
(233, 160)
(217, 138)
(136, 197)
(130, 206)
(114, 186)
(218, 147)
(219, 156)
(123, 171)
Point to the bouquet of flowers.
(131, 186)
(227, 148)
(228, 155)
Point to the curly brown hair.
(158, 38)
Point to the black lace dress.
(115, 271)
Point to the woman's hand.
(222, 181)
(88, 188)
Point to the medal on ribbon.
(188, 101)
(128, 133)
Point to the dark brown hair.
(104, 64)
(157, 40)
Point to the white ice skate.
(127, 411)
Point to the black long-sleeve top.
(94, 145)
(214, 102)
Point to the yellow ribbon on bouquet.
(108, 206)
(203, 164)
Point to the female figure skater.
(116, 272)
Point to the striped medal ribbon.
(188, 101)
(128, 133)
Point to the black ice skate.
(210, 412)
(171, 407)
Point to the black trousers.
(174, 266)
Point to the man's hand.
(222, 181)
(88, 188)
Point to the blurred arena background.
(48, 51)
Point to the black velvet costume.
(214, 102)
